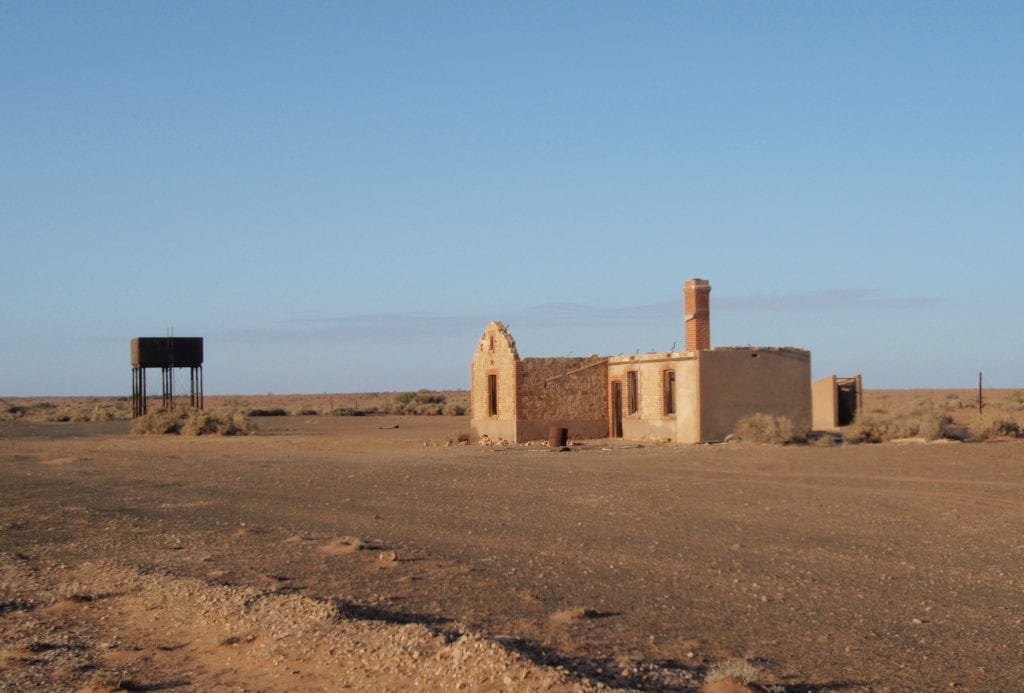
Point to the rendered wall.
(495, 355)
(650, 422)
(825, 403)
(738, 382)
(688, 401)
(564, 392)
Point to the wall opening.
(669, 397)
(492, 394)
(847, 400)
(632, 392)
(617, 409)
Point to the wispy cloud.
(361, 328)
(836, 299)
(382, 326)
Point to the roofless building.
(691, 396)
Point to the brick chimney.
(697, 307)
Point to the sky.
(338, 196)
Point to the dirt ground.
(333, 552)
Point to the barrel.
(558, 437)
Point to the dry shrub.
(201, 423)
(987, 427)
(238, 424)
(741, 670)
(159, 422)
(765, 428)
(355, 411)
(193, 422)
(110, 413)
(275, 411)
(1014, 401)
(920, 419)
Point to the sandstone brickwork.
(564, 392)
(496, 356)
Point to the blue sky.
(338, 196)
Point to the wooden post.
(981, 404)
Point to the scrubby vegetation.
(276, 411)
(193, 422)
(988, 427)
(1014, 401)
(764, 428)
(159, 422)
(921, 420)
(420, 403)
(88, 409)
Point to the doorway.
(848, 400)
(617, 409)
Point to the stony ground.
(330, 552)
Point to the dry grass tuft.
(764, 428)
(741, 670)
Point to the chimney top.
(697, 312)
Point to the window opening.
(670, 392)
(632, 394)
(492, 395)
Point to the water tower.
(166, 353)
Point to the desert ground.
(376, 552)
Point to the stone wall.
(563, 392)
(495, 355)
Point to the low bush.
(193, 422)
(158, 422)
(927, 423)
(764, 428)
(987, 427)
(1014, 400)
(355, 411)
(422, 396)
(277, 411)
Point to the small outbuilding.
(837, 401)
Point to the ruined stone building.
(691, 396)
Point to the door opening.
(617, 409)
